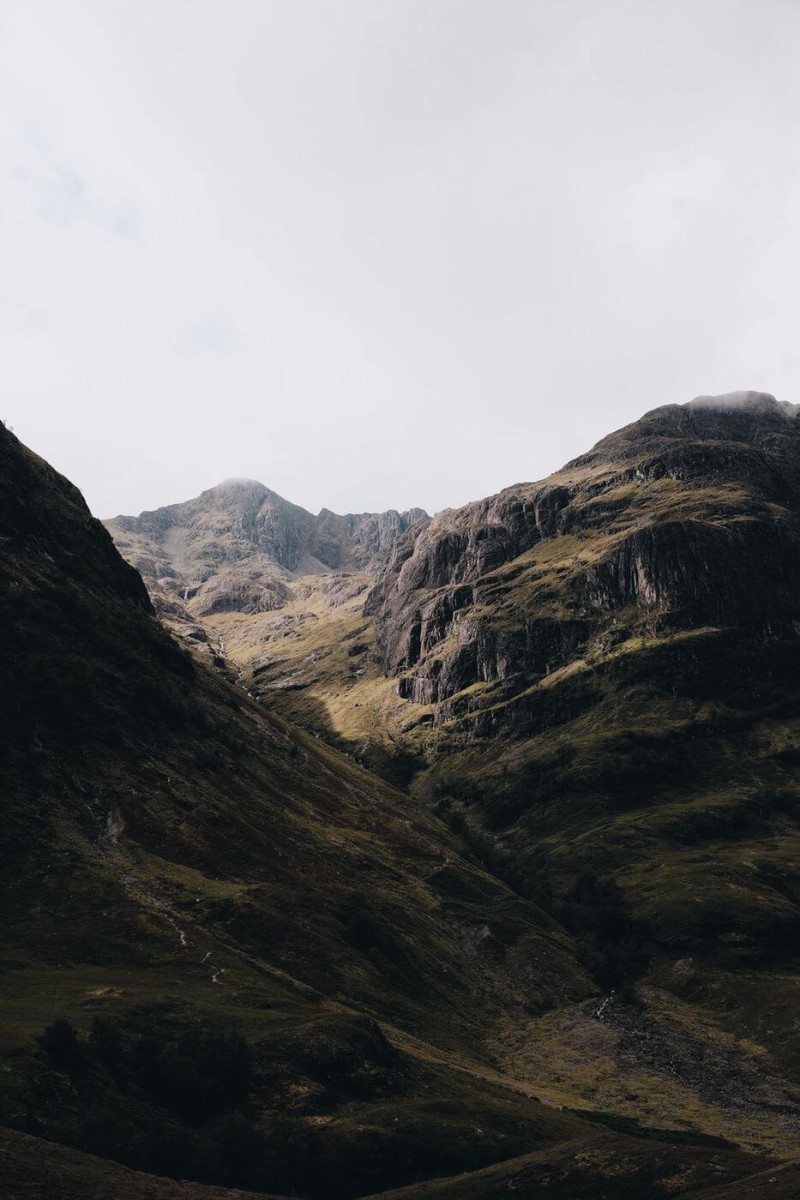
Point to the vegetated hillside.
(610, 664)
(593, 680)
(229, 954)
(219, 937)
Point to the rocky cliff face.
(608, 665)
(237, 547)
(689, 517)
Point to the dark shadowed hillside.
(562, 962)
(206, 915)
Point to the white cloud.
(385, 252)
(54, 189)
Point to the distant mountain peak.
(240, 484)
(233, 546)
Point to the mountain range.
(387, 854)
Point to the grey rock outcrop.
(239, 547)
(689, 517)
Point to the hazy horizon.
(381, 254)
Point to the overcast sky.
(378, 253)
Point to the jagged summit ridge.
(237, 546)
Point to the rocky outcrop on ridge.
(238, 546)
(689, 517)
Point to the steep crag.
(688, 518)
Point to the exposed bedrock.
(688, 518)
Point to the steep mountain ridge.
(593, 680)
(606, 670)
(644, 525)
(238, 547)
